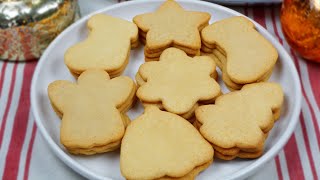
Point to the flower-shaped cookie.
(177, 81)
(107, 46)
(160, 144)
(172, 24)
(241, 119)
(91, 111)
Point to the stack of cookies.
(178, 83)
(92, 111)
(238, 123)
(171, 26)
(162, 145)
(107, 47)
(176, 86)
(243, 54)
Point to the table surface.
(24, 154)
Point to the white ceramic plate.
(106, 166)
(245, 2)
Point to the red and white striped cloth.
(25, 155)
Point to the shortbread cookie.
(241, 120)
(107, 46)
(241, 154)
(112, 74)
(185, 49)
(162, 145)
(188, 115)
(157, 54)
(221, 60)
(171, 25)
(213, 57)
(141, 81)
(148, 58)
(92, 111)
(177, 81)
(249, 55)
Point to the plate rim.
(249, 170)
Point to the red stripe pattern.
(3, 68)
(7, 108)
(292, 158)
(314, 119)
(278, 166)
(314, 75)
(293, 163)
(20, 125)
(291, 149)
(308, 147)
(27, 167)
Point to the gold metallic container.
(28, 26)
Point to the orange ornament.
(300, 21)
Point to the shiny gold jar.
(28, 26)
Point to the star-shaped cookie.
(172, 24)
(177, 81)
(92, 111)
